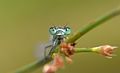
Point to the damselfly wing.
(43, 49)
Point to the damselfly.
(58, 34)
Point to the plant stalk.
(33, 66)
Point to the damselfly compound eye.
(68, 30)
(52, 30)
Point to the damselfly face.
(60, 31)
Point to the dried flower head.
(58, 61)
(107, 50)
(68, 50)
(49, 69)
(57, 64)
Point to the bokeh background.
(24, 23)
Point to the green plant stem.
(79, 50)
(31, 67)
(93, 49)
(94, 24)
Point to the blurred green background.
(24, 23)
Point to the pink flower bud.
(49, 69)
(58, 61)
(107, 50)
(67, 49)
(53, 67)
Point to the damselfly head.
(60, 30)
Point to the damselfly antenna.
(65, 25)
